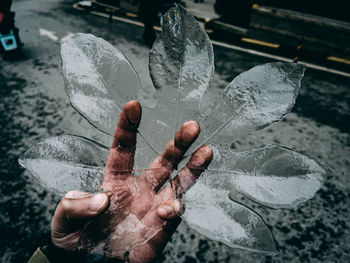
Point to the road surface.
(34, 106)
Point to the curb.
(275, 31)
(108, 9)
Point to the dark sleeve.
(52, 254)
(39, 257)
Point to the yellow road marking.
(132, 14)
(341, 60)
(259, 42)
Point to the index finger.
(121, 156)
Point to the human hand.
(135, 216)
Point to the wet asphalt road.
(33, 106)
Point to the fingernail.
(133, 114)
(192, 129)
(166, 210)
(76, 195)
(178, 207)
(97, 202)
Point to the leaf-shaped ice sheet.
(210, 212)
(273, 176)
(66, 163)
(181, 66)
(99, 79)
(253, 100)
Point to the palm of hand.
(142, 214)
(132, 226)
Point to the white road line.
(250, 51)
(329, 70)
(230, 46)
(47, 33)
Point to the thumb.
(75, 209)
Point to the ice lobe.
(66, 163)
(181, 66)
(182, 58)
(260, 96)
(99, 79)
(272, 175)
(253, 100)
(210, 212)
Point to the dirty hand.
(135, 217)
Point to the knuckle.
(65, 205)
